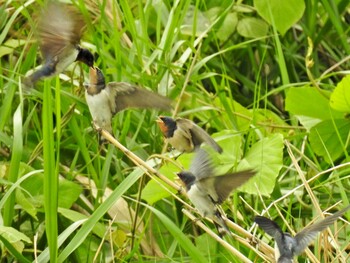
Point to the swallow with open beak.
(286, 246)
(59, 33)
(206, 191)
(105, 100)
(184, 135)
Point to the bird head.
(187, 178)
(86, 57)
(167, 125)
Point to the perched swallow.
(206, 191)
(105, 100)
(184, 135)
(286, 246)
(59, 33)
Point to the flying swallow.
(184, 135)
(206, 191)
(105, 100)
(59, 33)
(286, 246)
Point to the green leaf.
(14, 237)
(156, 189)
(252, 27)
(228, 26)
(340, 98)
(328, 138)
(266, 157)
(282, 14)
(308, 101)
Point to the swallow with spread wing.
(286, 246)
(206, 191)
(105, 100)
(59, 31)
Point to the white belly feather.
(100, 109)
(201, 201)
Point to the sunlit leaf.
(252, 27)
(308, 101)
(266, 158)
(284, 14)
(340, 98)
(328, 138)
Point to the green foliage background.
(268, 81)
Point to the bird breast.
(181, 140)
(68, 56)
(201, 201)
(100, 109)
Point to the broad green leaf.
(202, 23)
(307, 101)
(228, 26)
(266, 157)
(156, 189)
(328, 138)
(252, 27)
(283, 14)
(340, 98)
(14, 237)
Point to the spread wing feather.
(125, 95)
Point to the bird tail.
(220, 224)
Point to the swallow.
(59, 33)
(184, 135)
(286, 246)
(105, 100)
(206, 191)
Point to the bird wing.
(199, 135)
(59, 27)
(309, 233)
(225, 184)
(271, 228)
(125, 95)
(202, 165)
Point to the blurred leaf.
(252, 27)
(14, 237)
(328, 138)
(228, 26)
(25, 204)
(10, 45)
(307, 101)
(202, 23)
(74, 216)
(156, 189)
(284, 14)
(340, 98)
(68, 191)
(266, 157)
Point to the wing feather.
(125, 95)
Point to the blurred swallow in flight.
(206, 191)
(184, 135)
(105, 100)
(286, 246)
(59, 33)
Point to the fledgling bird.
(184, 135)
(59, 31)
(206, 191)
(286, 246)
(105, 100)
